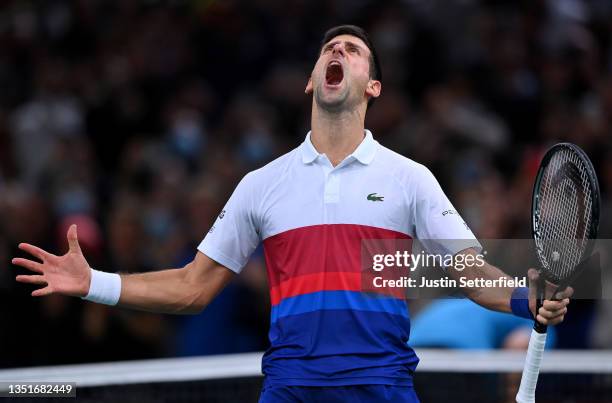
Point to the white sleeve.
(235, 234)
(438, 225)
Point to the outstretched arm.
(552, 311)
(184, 290)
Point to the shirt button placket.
(332, 187)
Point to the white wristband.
(105, 288)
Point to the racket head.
(564, 211)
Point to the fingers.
(36, 280)
(567, 293)
(41, 292)
(552, 321)
(552, 312)
(533, 274)
(73, 241)
(28, 264)
(33, 279)
(35, 251)
(554, 305)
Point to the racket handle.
(529, 379)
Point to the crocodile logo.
(373, 197)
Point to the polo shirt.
(312, 218)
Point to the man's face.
(340, 79)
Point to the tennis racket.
(564, 220)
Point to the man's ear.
(308, 89)
(373, 89)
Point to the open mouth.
(334, 73)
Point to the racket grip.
(529, 379)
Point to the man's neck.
(336, 135)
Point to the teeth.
(334, 76)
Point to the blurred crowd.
(136, 119)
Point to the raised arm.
(184, 290)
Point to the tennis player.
(311, 208)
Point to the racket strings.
(565, 214)
(567, 189)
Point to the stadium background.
(136, 119)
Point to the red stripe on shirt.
(340, 281)
(321, 257)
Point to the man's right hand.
(68, 274)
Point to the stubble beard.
(336, 102)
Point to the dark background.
(136, 119)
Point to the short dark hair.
(358, 32)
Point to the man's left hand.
(554, 307)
